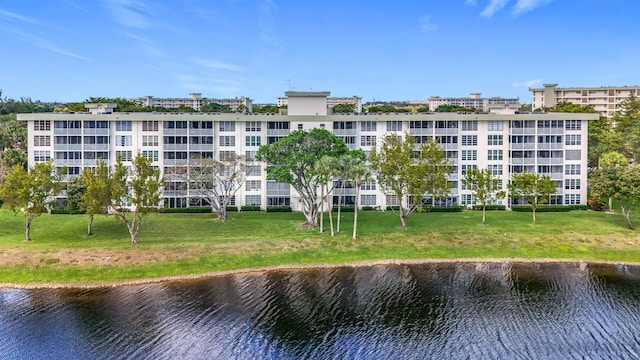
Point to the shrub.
(549, 208)
(59, 211)
(489, 207)
(369, 208)
(440, 209)
(343, 209)
(250, 208)
(189, 210)
(596, 204)
(232, 208)
(279, 209)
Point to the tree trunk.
(321, 208)
(534, 215)
(403, 217)
(355, 210)
(89, 225)
(27, 227)
(339, 204)
(627, 218)
(484, 213)
(330, 215)
(610, 204)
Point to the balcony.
(169, 147)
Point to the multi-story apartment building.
(195, 101)
(605, 99)
(475, 100)
(331, 101)
(553, 144)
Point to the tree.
(485, 187)
(343, 108)
(31, 191)
(142, 192)
(408, 174)
(218, 181)
(620, 182)
(601, 139)
(99, 190)
(358, 173)
(609, 160)
(326, 170)
(292, 160)
(454, 108)
(215, 107)
(344, 169)
(534, 189)
(627, 128)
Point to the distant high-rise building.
(605, 99)
(475, 100)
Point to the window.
(368, 185)
(71, 155)
(572, 184)
(573, 139)
(420, 124)
(278, 125)
(467, 199)
(273, 139)
(124, 155)
(150, 154)
(344, 125)
(446, 139)
(278, 201)
(470, 155)
(227, 141)
(42, 155)
(394, 125)
(469, 140)
(41, 140)
(349, 140)
(494, 154)
(102, 124)
(368, 140)
(495, 169)
(300, 126)
(572, 169)
(227, 126)
(468, 125)
(253, 200)
(253, 170)
(123, 140)
(149, 126)
(368, 126)
(572, 199)
(494, 140)
(253, 126)
(253, 185)
(227, 155)
(464, 168)
(368, 199)
(392, 200)
(123, 125)
(253, 140)
(573, 124)
(550, 139)
(250, 154)
(42, 125)
(150, 140)
(495, 125)
(550, 124)
(572, 155)
(67, 124)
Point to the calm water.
(439, 311)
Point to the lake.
(393, 311)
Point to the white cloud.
(129, 13)
(41, 42)
(528, 84)
(493, 7)
(426, 24)
(523, 6)
(471, 2)
(215, 64)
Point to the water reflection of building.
(552, 144)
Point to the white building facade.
(195, 101)
(475, 100)
(605, 99)
(330, 101)
(553, 144)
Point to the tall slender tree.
(485, 187)
(533, 188)
(98, 196)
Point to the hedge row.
(67, 211)
(189, 210)
(423, 209)
(279, 209)
(550, 208)
(489, 207)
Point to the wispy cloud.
(215, 64)
(523, 6)
(527, 84)
(13, 16)
(41, 42)
(471, 2)
(268, 35)
(493, 7)
(130, 13)
(426, 25)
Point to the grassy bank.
(183, 244)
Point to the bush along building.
(552, 144)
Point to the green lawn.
(183, 244)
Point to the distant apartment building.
(552, 144)
(604, 99)
(195, 101)
(475, 100)
(331, 101)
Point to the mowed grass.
(191, 244)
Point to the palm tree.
(326, 167)
(358, 173)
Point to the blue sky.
(70, 50)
